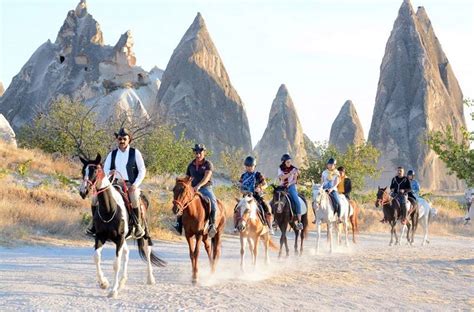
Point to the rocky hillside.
(196, 94)
(346, 129)
(417, 92)
(79, 65)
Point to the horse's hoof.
(194, 281)
(151, 281)
(104, 284)
(113, 294)
(123, 280)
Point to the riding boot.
(268, 218)
(91, 229)
(212, 227)
(135, 216)
(179, 225)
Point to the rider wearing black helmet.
(254, 182)
(288, 175)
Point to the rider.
(345, 185)
(200, 169)
(288, 175)
(400, 186)
(254, 182)
(415, 186)
(330, 179)
(127, 166)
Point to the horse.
(324, 212)
(194, 209)
(284, 216)
(425, 213)
(111, 223)
(251, 229)
(394, 214)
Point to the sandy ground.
(367, 276)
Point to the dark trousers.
(262, 203)
(335, 200)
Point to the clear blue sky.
(325, 51)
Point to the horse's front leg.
(191, 246)
(243, 243)
(126, 256)
(255, 249)
(302, 240)
(318, 222)
(267, 245)
(196, 258)
(346, 231)
(101, 279)
(392, 231)
(117, 264)
(426, 225)
(330, 235)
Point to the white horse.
(425, 213)
(324, 213)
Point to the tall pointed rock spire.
(417, 93)
(284, 134)
(197, 97)
(346, 129)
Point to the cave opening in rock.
(61, 59)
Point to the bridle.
(385, 200)
(99, 176)
(279, 203)
(182, 206)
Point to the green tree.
(231, 163)
(68, 127)
(164, 153)
(455, 152)
(359, 161)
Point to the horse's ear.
(98, 158)
(83, 161)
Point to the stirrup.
(90, 232)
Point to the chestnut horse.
(193, 207)
(251, 229)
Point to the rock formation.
(2, 89)
(346, 129)
(6, 132)
(417, 93)
(80, 66)
(283, 134)
(197, 97)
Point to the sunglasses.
(120, 139)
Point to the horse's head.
(316, 191)
(381, 196)
(279, 198)
(183, 193)
(92, 175)
(245, 206)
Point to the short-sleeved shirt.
(197, 171)
(329, 178)
(250, 180)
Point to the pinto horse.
(281, 206)
(111, 223)
(324, 212)
(192, 206)
(251, 229)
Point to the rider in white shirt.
(127, 166)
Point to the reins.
(182, 206)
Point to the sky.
(325, 51)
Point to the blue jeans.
(207, 191)
(335, 199)
(296, 199)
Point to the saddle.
(293, 204)
(125, 196)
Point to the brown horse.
(392, 212)
(354, 219)
(194, 208)
(251, 229)
(284, 217)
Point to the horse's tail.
(154, 259)
(272, 244)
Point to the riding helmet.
(331, 161)
(411, 172)
(199, 148)
(285, 157)
(250, 161)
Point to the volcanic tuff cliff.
(283, 134)
(197, 97)
(346, 129)
(417, 92)
(80, 66)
